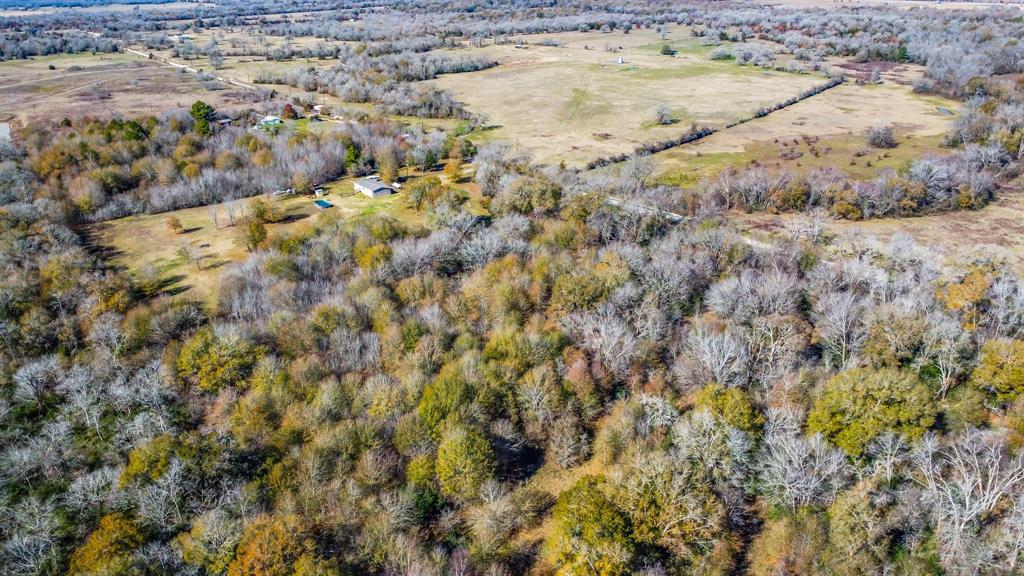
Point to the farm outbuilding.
(373, 188)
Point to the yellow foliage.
(966, 295)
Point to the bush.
(881, 136)
(721, 53)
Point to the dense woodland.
(600, 376)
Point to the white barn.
(373, 188)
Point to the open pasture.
(577, 101)
(100, 85)
(825, 130)
(144, 243)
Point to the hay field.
(576, 102)
(101, 85)
(835, 121)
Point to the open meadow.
(591, 95)
(99, 85)
(145, 244)
(825, 130)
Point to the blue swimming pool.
(323, 203)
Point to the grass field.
(137, 242)
(831, 124)
(96, 85)
(576, 102)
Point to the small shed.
(373, 188)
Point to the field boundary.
(696, 134)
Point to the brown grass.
(962, 236)
(576, 102)
(101, 85)
(834, 122)
(137, 241)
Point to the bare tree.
(663, 115)
(211, 211)
(794, 470)
(191, 254)
(718, 356)
(948, 347)
(966, 479)
(638, 170)
(606, 335)
(837, 317)
(1006, 306)
(881, 136)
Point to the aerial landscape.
(511, 287)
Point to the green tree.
(1000, 369)
(213, 362)
(731, 405)
(672, 506)
(858, 535)
(791, 544)
(174, 224)
(254, 233)
(264, 211)
(149, 461)
(445, 398)
(590, 535)
(861, 403)
(453, 170)
(464, 462)
(202, 113)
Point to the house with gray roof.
(373, 188)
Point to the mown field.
(145, 244)
(826, 130)
(97, 85)
(576, 101)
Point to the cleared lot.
(97, 85)
(578, 101)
